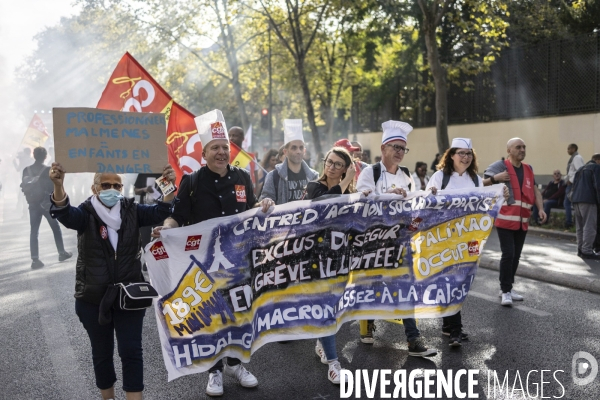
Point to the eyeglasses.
(106, 186)
(398, 149)
(335, 165)
(463, 154)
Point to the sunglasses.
(106, 186)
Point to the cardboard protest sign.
(231, 285)
(93, 140)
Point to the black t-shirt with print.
(296, 184)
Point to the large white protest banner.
(230, 285)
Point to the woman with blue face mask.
(109, 244)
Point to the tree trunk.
(441, 90)
(439, 79)
(310, 111)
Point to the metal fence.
(553, 78)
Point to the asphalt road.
(45, 353)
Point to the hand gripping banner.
(231, 285)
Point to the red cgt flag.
(131, 88)
(183, 142)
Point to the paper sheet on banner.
(230, 285)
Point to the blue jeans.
(567, 204)
(328, 343)
(410, 329)
(548, 205)
(36, 212)
(128, 327)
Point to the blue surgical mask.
(110, 197)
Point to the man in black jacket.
(585, 198)
(37, 186)
(216, 190)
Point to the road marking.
(496, 300)
(69, 379)
(320, 397)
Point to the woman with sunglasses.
(337, 178)
(108, 239)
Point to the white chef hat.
(461, 143)
(211, 126)
(395, 130)
(292, 130)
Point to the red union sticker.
(193, 242)
(414, 225)
(217, 131)
(474, 248)
(158, 251)
(240, 193)
(103, 232)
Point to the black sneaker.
(64, 256)
(368, 338)
(36, 263)
(590, 256)
(417, 348)
(455, 339)
(446, 332)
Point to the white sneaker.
(515, 296)
(320, 352)
(215, 384)
(334, 372)
(241, 374)
(506, 299)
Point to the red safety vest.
(517, 215)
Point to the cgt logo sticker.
(158, 251)
(240, 193)
(217, 131)
(193, 242)
(473, 248)
(414, 225)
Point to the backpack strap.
(445, 180)
(407, 173)
(376, 172)
(276, 179)
(475, 179)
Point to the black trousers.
(452, 322)
(511, 244)
(219, 365)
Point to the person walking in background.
(575, 162)
(146, 187)
(20, 162)
(513, 219)
(388, 176)
(553, 195)
(585, 196)
(37, 186)
(435, 162)
(108, 240)
(337, 178)
(420, 175)
(268, 164)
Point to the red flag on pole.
(132, 88)
(183, 142)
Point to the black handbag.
(135, 296)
